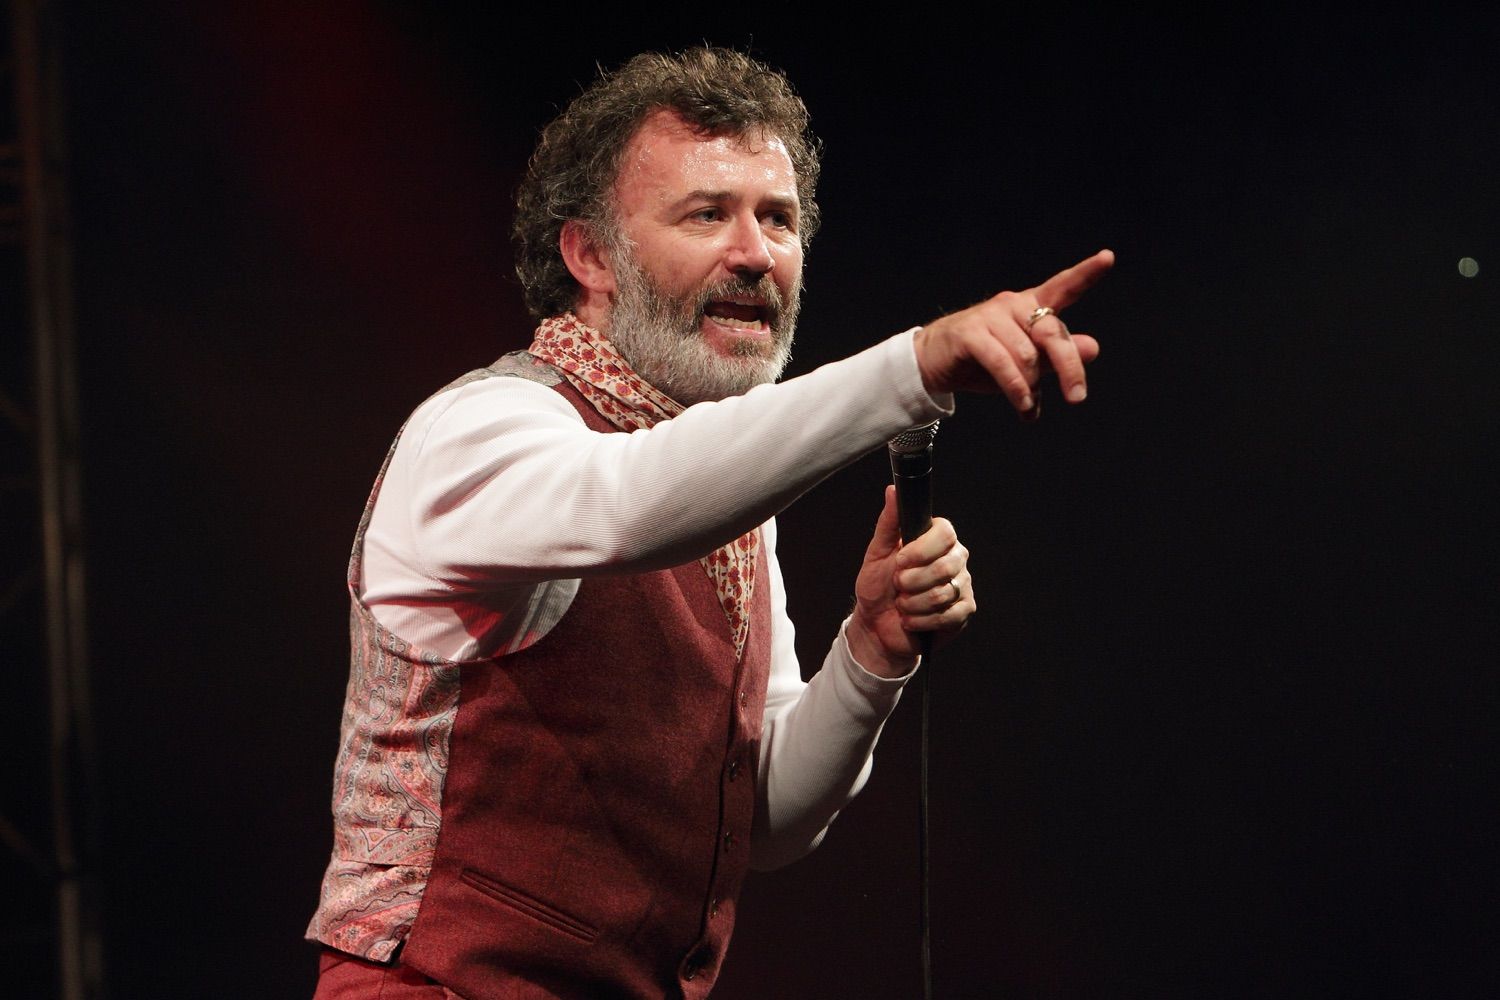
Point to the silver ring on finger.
(958, 592)
(1038, 313)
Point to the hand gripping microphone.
(911, 471)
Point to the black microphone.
(911, 471)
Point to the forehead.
(666, 160)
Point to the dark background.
(1225, 725)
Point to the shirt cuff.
(865, 694)
(940, 404)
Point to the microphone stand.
(911, 471)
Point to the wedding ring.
(1037, 314)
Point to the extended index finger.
(1067, 286)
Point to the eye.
(781, 219)
(710, 214)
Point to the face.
(707, 261)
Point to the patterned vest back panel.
(601, 785)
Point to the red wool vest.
(601, 784)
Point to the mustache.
(761, 288)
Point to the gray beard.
(661, 338)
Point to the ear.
(586, 261)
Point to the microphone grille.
(917, 439)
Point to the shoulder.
(515, 385)
(519, 364)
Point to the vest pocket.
(530, 906)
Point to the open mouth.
(740, 314)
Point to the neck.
(593, 309)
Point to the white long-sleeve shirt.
(499, 499)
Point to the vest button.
(744, 697)
(728, 840)
(713, 907)
(734, 768)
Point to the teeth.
(738, 324)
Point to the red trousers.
(344, 977)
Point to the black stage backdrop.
(1225, 725)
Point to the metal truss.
(50, 942)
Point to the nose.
(748, 253)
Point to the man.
(575, 717)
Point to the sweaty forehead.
(667, 159)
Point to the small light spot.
(1468, 267)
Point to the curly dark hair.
(573, 171)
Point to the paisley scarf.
(593, 366)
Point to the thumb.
(887, 538)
